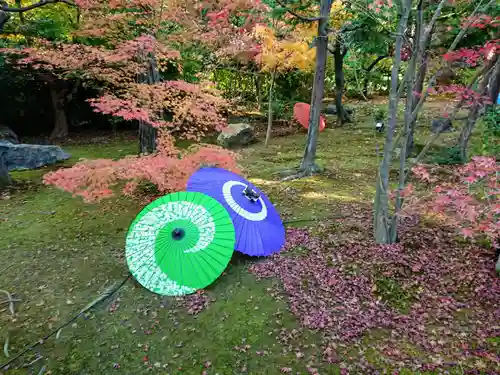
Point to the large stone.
(331, 109)
(236, 135)
(25, 156)
(444, 124)
(6, 134)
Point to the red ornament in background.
(301, 114)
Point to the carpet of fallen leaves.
(452, 290)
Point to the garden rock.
(26, 156)
(6, 134)
(236, 135)
(445, 123)
(331, 109)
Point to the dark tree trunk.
(61, 94)
(368, 72)
(308, 165)
(148, 134)
(494, 89)
(465, 134)
(339, 54)
(58, 98)
(270, 108)
(4, 17)
(258, 90)
(4, 173)
(21, 14)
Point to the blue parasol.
(258, 226)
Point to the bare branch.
(452, 117)
(41, 3)
(430, 26)
(432, 80)
(299, 16)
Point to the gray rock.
(26, 156)
(444, 123)
(236, 135)
(331, 109)
(6, 134)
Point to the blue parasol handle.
(251, 194)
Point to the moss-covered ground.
(59, 253)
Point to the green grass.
(60, 253)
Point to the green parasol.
(180, 243)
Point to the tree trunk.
(382, 219)
(495, 84)
(58, 98)
(308, 165)
(4, 18)
(21, 14)
(270, 108)
(419, 87)
(4, 173)
(258, 90)
(418, 90)
(465, 134)
(148, 134)
(411, 81)
(342, 116)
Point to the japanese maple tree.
(468, 200)
(385, 223)
(131, 37)
(287, 52)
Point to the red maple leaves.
(471, 203)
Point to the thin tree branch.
(299, 16)
(432, 80)
(451, 118)
(466, 28)
(430, 26)
(375, 62)
(41, 3)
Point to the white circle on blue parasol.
(257, 223)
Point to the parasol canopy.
(179, 243)
(258, 226)
(301, 114)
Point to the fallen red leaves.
(333, 289)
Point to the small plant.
(448, 156)
(492, 120)
(380, 115)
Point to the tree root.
(309, 171)
(10, 301)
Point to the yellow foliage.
(339, 15)
(290, 52)
(14, 38)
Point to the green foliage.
(380, 114)
(448, 156)
(492, 120)
(451, 23)
(54, 22)
(393, 293)
(294, 86)
(282, 109)
(489, 139)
